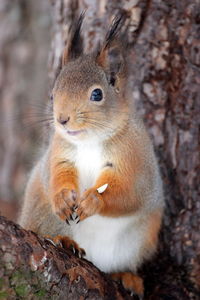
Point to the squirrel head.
(89, 93)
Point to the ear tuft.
(73, 48)
(110, 56)
(115, 28)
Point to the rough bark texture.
(33, 268)
(164, 64)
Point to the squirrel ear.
(110, 55)
(73, 48)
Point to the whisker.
(41, 123)
(42, 120)
(14, 116)
(37, 115)
(34, 120)
(41, 104)
(89, 111)
(98, 111)
(105, 123)
(98, 124)
(41, 108)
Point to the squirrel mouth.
(75, 132)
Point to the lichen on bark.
(33, 268)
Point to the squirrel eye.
(96, 95)
(51, 97)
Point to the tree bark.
(23, 66)
(33, 268)
(164, 59)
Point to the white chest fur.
(112, 244)
(88, 161)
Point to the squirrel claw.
(63, 203)
(78, 251)
(67, 243)
(140, 297)
(73, 249)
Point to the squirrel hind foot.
(131, 282)
(67, 243)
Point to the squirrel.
(99, 142)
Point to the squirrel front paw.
(90, 204)
(64, 204)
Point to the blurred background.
(25, 32)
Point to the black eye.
(96, 95)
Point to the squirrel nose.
(63, 121)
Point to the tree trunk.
(164, 64)
(23, 59)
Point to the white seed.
(102, 188)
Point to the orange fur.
(64, 189)
(154, 224)
(130, 281)
(90, 204)
(66, 243)
(118, 189)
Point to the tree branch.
(33, 268)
